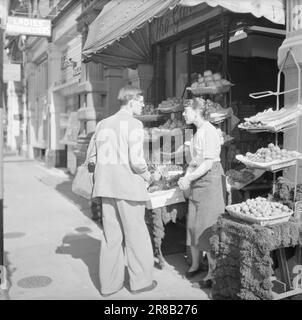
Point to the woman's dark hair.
(199, 104)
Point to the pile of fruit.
(271, 154)
(165, 177)
(261, 208)
(210, 80)
(272, 120)
(171, 105)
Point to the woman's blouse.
(205, 144)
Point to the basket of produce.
(210, 84)
(270, 159)
(260, 211)
(218, 117)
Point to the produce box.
(164, 198)
(271, 158)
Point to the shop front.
(64, 72)
(226, 54)
(66, 99)
(38, 109)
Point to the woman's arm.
(201, 170)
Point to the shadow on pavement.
(83, 204)
(84, 247)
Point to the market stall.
(245, 238)
(194, 48)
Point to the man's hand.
(184, 183)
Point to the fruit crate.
(164, 198)
(263, 221)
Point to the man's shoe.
(192, 274)
(146, 289)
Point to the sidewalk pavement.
(52, 246)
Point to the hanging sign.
(27, 26)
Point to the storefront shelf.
(272, 167)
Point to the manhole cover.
(13, 235)
(34, 282)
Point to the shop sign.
(179, 19)
(65, 62)
(28, 26)
(11, 72)
(76, 70)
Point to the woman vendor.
(206, 183)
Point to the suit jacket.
(117, 150)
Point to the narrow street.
(52, 246)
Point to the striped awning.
(124, 23)
(118, 23)
(273, 10)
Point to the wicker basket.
(263, 221)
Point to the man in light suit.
(121, 179)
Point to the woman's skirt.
(206, 204)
